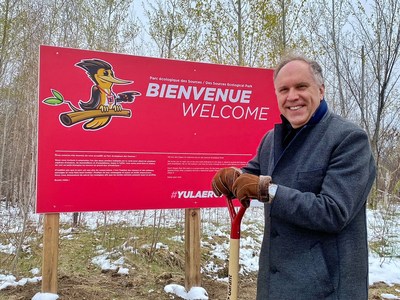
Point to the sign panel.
(123, 132)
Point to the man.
(314, 171)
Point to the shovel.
(234, 245)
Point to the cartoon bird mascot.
(102, 96)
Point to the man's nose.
(292, 95)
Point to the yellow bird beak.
(112, 79)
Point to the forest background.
(356, 42)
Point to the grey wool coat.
(315, 238)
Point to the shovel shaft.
(233, 271)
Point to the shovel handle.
(236, 218)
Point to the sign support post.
(192, 248)
(51, 227)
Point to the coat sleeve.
(344, 189)
(254, 165)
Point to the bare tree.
(108, 26)
(238, 32)
(381, 36)
(173, 27)
(360, 49)
(289, 34)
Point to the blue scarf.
(319, 113)
(290, 132)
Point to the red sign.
(122, 132)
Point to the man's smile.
(295, 107)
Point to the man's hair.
(316, 69)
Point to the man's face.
(298, 93)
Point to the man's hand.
(248, 186)
(223, 180)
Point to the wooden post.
(192, 248)
(51, 226)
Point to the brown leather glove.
(223, 180)
(249, 186)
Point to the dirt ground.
(149, 272)
(110, 286)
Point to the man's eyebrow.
(284, 86)
(302, 83)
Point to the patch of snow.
(389, 296)
(8, 249)
(10, 280)
(177, 238)
(68, 237)
(386, 270)
(123, 271)
(105, 263)
(45, 296)
(158, 246)
(35, 271)
(195, 293)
